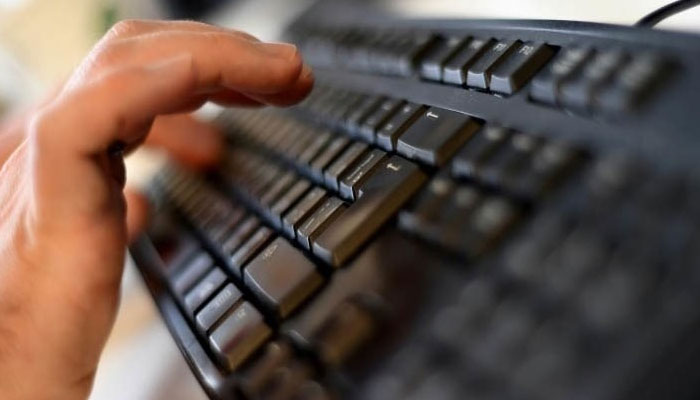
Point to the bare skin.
(63, 211)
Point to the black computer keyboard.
(459, 210)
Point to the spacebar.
(379, 198)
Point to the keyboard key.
(412, 50)
(334, 148)
(355, 177)
(227, 226)
(249, 249)
(240, 334)
(343, 163)
(519, 67)
(186, 247)
(204, 289)
(433, 60)
(362, 111)
(455, 69)
(479, 74)
(240, 235)
(270, 174)
(546, 167)
(282, 277)
(436, 135)
(276, 189)
(319, 220)
(546, 85)
(314, 148)
(287, 200)
(386, 109)
(578, 90)
(468, 161)
(192, 272)
(227, 297)
(306, 206)
(337, 114)
(379, 199)
(389, 132)
(302, 142)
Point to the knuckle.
(40, 126)
(108, 53)
(126, 27)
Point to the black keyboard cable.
(666, 11)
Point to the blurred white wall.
(624, 12)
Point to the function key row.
(499, 66)
(588, 81)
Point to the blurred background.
(41, 41)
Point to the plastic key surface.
(519, 67)
(379, 198)
(479, 74)
(436, 135)
(240, 334)
(217, 307)
(455, 69)
(282, 277)
(389, 132)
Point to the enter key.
(379, 198)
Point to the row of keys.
(584, 80)
(429, 135)
(233, 326)
(499, 66)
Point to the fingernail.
(307, 72)
(173, 63)
(282, 50)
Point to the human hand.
(63, 228)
